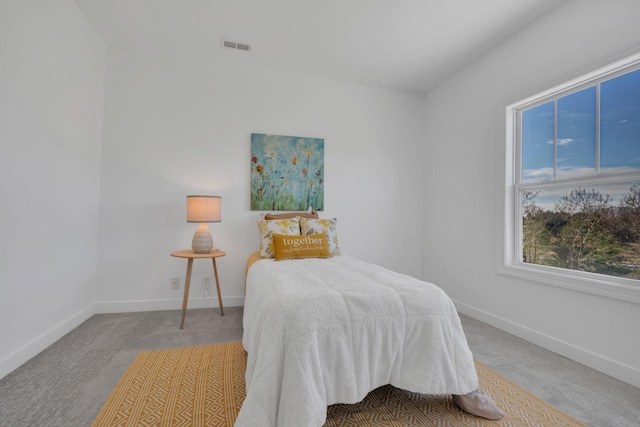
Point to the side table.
(190, 255)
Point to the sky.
(577, 120)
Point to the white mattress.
(325, 331)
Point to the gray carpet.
(594, 398)
(67, 384)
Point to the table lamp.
(203, 209)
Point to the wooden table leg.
(186, 291)
(215, 272)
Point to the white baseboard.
(165, 304)
(14, 360)
(602, 364)
(610, 367)
(9, 363)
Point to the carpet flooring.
(67, 384)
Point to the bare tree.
(533, 229)
(630, 211)
(584, 238)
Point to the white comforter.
(325, 331)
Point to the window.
(573, 183)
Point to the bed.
(329, 329)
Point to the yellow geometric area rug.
(204, 386)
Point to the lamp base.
(202, 242)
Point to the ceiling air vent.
(235, 45)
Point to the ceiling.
(406, 45)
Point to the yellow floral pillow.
(293, 247)
(319, 226)
(267, 228)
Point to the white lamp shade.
(204, 208)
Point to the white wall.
(465, 134)
(51, 96)
(181, 125)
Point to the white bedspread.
(325, 331)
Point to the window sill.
(621, 289)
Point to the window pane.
(592, 228)
(537, 143)
(576, 153)
(620, 123)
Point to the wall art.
(287, 173)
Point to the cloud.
(537, 174)
(568, 172)
(618, 169)
(548, 197)
(562, 141)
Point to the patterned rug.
(204, 386)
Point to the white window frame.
(598, 284)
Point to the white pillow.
(318, 226)
(267, 228)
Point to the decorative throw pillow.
(309, 246)
(278, 226)
(288, 215)
(318, 226)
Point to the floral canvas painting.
(287, 173)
